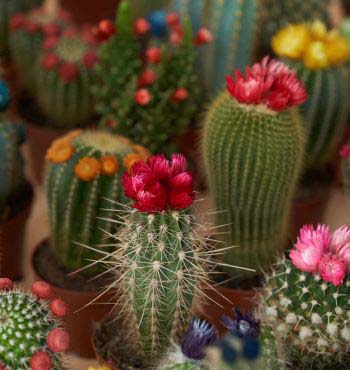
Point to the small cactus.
(30, 332)
(305, 307)
(64, 75)
(84, 169)
(345, 166)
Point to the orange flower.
(142, 151)
(130, 159)
(87, 168)
(110, 165)
(60, 151)
(73, 134)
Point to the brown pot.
(12, 233)
(80, 319)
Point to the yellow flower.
(315, 56)
(139, 149)
(318, 30)
(87, 168)
(291, 41)
(99, 368)
(60, 151)
(110, 165)
(130, 159)
(337, 49)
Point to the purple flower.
(244, 325)
(199, 335)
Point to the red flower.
(41, 361)
(104, 30)
(172, 19)
(90, 59)
(68, 72)
(153, 55)
(179, 95)
(143, 97)
(176, 38)
(141, 26)
(58, 340)
(17, 21)
(203, 36)
(147, 78)
(50, 61)
(159, 184)
(270, 83)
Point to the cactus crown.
(31, 337)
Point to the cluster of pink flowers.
(319, 251)
(270, 83)
(159, 184)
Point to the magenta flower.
(340, 244)
(345, 151)
(332, 269)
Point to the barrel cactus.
(319, 57)
(64, 75)
(253, 146)
(27, 35)
(234, 25)
(84, 169)
(305, 305)
(345, 166)
(30, 332)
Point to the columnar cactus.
(319, 57)
(161, 257)
(84, 168)
(305, 306)
(30, 332)
(27, 33)
(233, 24)
(345, 166)
(253, 149)
(152, 95)
(64, 75)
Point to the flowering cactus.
(305, 306)
(30, 332)
(253, 146)
(65, 73)
(345, 164)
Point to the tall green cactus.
(64, 75)
(83, 170)
(253, 156)
(142, 8)
(233, 24)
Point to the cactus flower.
(340, 244)
(345, 151)
(243, 325)
(332, 269)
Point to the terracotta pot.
(80, 319)
(11, 241)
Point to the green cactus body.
(84, 169)
(233, 24)
(143, 8)
(253, 158)
(308, 318)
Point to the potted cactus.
(83, 185)
(15, 192)
(320, 58)
(304, 308)
(345, 166)
(32, 336)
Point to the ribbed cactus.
(64, 76)
(345, 166)
(253, 153)
(143, 8)
(30, 333)
(305, 307)
(234, 25)
(27, 35)
(84, 169)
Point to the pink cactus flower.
(332, 269)
(345, 151)
(340, 244)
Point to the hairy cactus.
(84, 168)
(253, 149)
(345, 166)
(319, 58)
(152, 95)
(64, 75)
(27, 35)
(30, 332)
(233, 24)
(305, 308)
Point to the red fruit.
(50, 42)
(17, 21)
(180, 94)
(41, 361)
(141, 26)
(58, 340)
(143, 97)
(6, 284)
(51, 29)
(104, 30)
(90, 59)
(172, 19)
(203, 36)
(176, 38)
(68, 72)
(147, 78)
(50, 61)
(41, 290)
(59, 308)
(153, 55)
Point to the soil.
(51, 269)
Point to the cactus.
(345, 166)
(305, 305)
(143, 8)
(253, 150)
(83, 169)
(30, 332)
(149, 102)
(319, 58)
(233, 24)
(11, 166)
(7, 9)
(64, 75)
(27, 35)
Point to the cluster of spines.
(307, 318)
(253, 159)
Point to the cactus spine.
(85, 168)
(233, 24)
